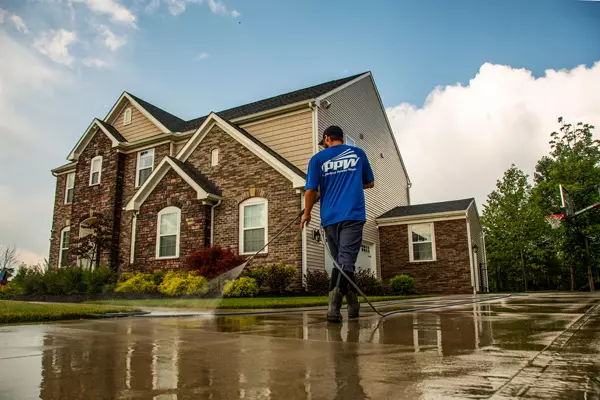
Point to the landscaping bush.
(402, 284)
(63, 281)
(179, 283)
(213, 261)
(96, 280)
(259, 274)
(277, 277)
(137, 283)
(10, 289)
(317, 281)
(241, 287)
(368, 283)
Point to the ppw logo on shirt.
(343, 162)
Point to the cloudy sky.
(470, 87)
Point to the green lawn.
(243, 303)
(18, 311)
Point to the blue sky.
(66, 62)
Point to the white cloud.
(94, 63)
(117, 11)
(202, 56)
(235, 13)
(152, 6)
(177, 7)
(217, 7)
(111, 40)
(30, 258)
(464, 137)
(55, 45)
(19, 23)
(2, 12)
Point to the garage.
(366, 258)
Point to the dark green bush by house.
(317, 281)
(402, 284)
(278, 277)
(368, 283)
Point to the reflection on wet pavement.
(538, 346)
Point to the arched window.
(65, 239)
(168, 232)
(253, 225)
(127, 116)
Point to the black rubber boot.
(352, 298)
(335, 298)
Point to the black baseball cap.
(334, 132)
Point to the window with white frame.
(69, 188)
(422, 242)
(127, 116)
(253, 225)
(145, 165)
(96, 170)
(63, 256)
(168, 232)
(214, 157)
(350, 141)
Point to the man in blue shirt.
(341, 173)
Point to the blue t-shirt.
(339, 172)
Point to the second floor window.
(69, 188)
(214, 157)
(96, 170)
(145, 165)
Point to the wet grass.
(242, 303)
(18, 311)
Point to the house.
(234, 178)
(441, 245)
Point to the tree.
(8, 259)
(574, 162)
(98, 239)
(506, 220)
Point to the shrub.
(95, 280)
(275, 277)
(181, 283)
(402, 284)
(241, 287)
(137, 283)
(213, 261)
(11, 289)
(368, 283)
(259, 274)
(317, 281)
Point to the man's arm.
(368, 185)
(367, 173)
(310, 198)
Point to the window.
(214, 157)
(69, 189)
(253, 225)
(127, 116)
(350, 141)
(422, 242)
(63, 256)
(145, 165)
(96, 170)
(168, 230)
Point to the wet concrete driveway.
(535, 346)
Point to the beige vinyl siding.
(140, 126)
(357, 110)
(289, 135)
(315, 252)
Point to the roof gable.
(85, 139)
(268, 155)
(134, 101)
(205, 190)
(429, 209)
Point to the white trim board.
(214, 120)
(424, 218)
(141, 109)
(86, 138)
(156, 176)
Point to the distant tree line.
(523, 251)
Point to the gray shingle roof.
(197, 176)
(429, 208)
(112, 130)
(176, 124)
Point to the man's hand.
(368, 185)
(305, 220)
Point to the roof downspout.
(470, 256)
(304, 245)
(212, 221)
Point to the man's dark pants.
(344, 240)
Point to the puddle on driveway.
(462, 352)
